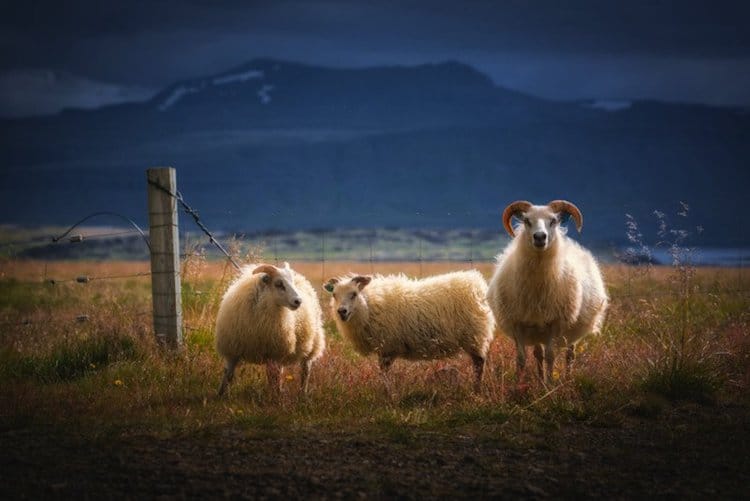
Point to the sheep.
(269, 316)
(547, 290)
(432, 318)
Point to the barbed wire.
(430, 245)
(76, 318)
(40, 241)
(106, 235)
(104, 213)
(82, 279)
(194, 214)
(25, 322)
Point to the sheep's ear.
(328, 286)
(361, 281)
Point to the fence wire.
(196, 218)
(82, 279)
(425, 240)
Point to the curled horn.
(570, 208)
(266, 268)
(514, 209)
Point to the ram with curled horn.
(547, 290)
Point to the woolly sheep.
(433, 318)
(269, 316)
(547, 291)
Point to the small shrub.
(689, 380)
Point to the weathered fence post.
(165, 256)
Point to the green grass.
(24, 297)
(691, 381)
(69, 360)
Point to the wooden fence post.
(165, 256)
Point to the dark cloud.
(689, 50)
(679, 27)
(42, 92)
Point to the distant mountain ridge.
(278, 144)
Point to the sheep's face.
(346, 297)
(541, 226)
(280, 285)
(541, 223)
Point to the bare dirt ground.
(688, 451)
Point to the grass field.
(675, 338)
(662, 337)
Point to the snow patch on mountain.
(177, 94)
(186, 89)
(263, 94)
(238, 77)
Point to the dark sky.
(86, 53)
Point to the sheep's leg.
(570, 357)
(305, 374)
(385, 364)
(539, 356)
(228, 375)
(520, 360)
(478, 362)
(549, 357)
(273, 373)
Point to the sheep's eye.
(552, 221)
(526, 221)
(353, 295)
(280, 285)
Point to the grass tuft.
(689, 380)
(71, 359)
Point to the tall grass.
(669, 332)
(681, 361)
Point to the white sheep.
(269, 316)
(432, 318)
(547, 291)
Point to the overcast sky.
(87, 53)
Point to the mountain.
(277, 144)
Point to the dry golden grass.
(106, 373)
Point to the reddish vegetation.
(657, 405)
